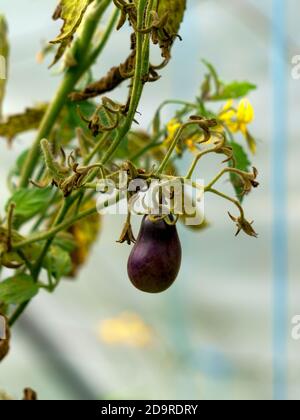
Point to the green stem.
(89, 28)
(70, 80)
(105, 37)
(96, 148)
(228, 198)
(46, 126)
(235, 171)
(176, 139)
(18, 312)
(215, 149)
(175, 102)
(47, 235)
(35, 271)
(197, 158)
(154, 143)
(59, 218)
(68, 83)
(141, 70)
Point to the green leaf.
(58, 262)
(21, 161)
(65, 241)
(206, 87)
(31, 118)
(29, 203)
(72, 13)
(4, 53)
(18, 289)
(224, 91)
(11, 258)
(242, 163)
(234, 90)
(17, 168)
(213, 73)
(175, 10)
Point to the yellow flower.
(228, 112)
(192, 142)
(172, 127)
(238, 119)
(125, 329)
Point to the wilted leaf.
(4, 53)
(30, 119)
(72, 12)
(20, 123)
(174, 9)
(29, 203)
(18, 289)
(251, 142)
(242, 163)
(243, 225)
(85, 233)
(65, 241)
(11, 259)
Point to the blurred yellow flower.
(172, 127)
(125, 329)
(238, 119)
(191, 143)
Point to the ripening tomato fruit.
(155, 260)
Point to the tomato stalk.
(72, 76)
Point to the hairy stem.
(173, 145)
(235, 171)
(68, 83)
(47, 235)
(141, 70)
(105, 37)
(96, 148)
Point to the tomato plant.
(83, 137)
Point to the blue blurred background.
(224, 330)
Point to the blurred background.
(224, 330)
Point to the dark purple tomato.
(155, 260)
